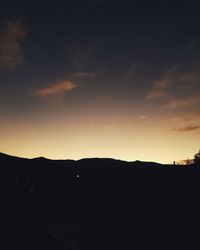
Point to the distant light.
(77, 176)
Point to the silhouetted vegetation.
(197, 159)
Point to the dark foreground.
(97, 204)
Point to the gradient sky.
(100, 78)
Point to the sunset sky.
(100, 78)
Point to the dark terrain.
(98, 204)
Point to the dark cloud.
(82, 49)
(187, 129)
(10, 44)
(82, 75)
(81, 53)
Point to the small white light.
(77, 176)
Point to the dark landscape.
(99, 125)
(98, 204)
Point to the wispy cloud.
(10, 44)
(187, 129)
(193, 44)
(186, 122)
(178, 94)
(57, 88)
(182, 102)
(177, 89)
(82, 75)
(158, 90)
(143, 117)
(132, 71)
(81, 52)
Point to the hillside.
(98, 203)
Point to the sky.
(100, 78)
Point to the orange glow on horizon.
(60, 140)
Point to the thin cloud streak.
(158, 90)
(174, 82)
(81, 53)
(187, 129)
(182, 102)
(187, 122)
(177, 91)
(56, 89)
(10, 44)
(82, 75)
(160, 87)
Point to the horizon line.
(84, 158)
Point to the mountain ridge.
(41, 158)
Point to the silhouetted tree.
(188, 162)
(197, 159)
